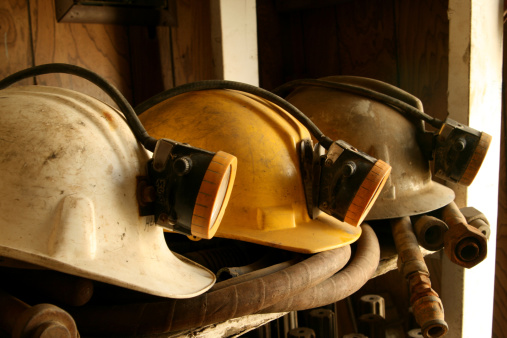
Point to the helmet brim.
(410, 203)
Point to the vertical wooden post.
(475, 79)
(15, 40)
(234, 40)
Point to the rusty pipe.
(43, 320)
(463, 244)
(342, 284)
(410, 258)
(165, 315)
(426, 304)
(429, 231)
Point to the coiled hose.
(341, 285)
(254, 296)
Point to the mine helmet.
(70, 167)
(383, 132)
(267, 205)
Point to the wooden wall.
(140, 61)
(404, 43)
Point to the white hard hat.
(69, 167)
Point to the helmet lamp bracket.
(459, 152)
(182, 189)
(343, 183)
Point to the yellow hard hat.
(268, 204)
(382, 132)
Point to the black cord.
(132, 120)
(225, 84)
(409, 104)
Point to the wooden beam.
(103, 49)
(191, 42)
(234, 40)
(475, 69)
(15, 46)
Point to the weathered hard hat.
(267, 205)
(382, 132)
(69, 167)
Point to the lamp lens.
(213, 195)
(220, 196)
(350, 182)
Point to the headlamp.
(187, 188)
(344, 182)
(459, 152)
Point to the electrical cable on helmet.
(317, 168)
(100, 113)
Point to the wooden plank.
(151, 62)
(293, 51)
(234, 327)
(166, 56)
(192, 54)
(15, 46)
(100, 48)
(234, 40)
(320, 39)
(423, 41)
(367, 39)
(269, 33)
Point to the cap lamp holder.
(459, 152)
(344, 182)
(187, 188)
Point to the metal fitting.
(477, 219)
(43, 320)
(372, 304)
(410, 258)
(429, 231)
(426, 304)
(463, 244)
